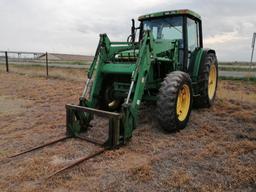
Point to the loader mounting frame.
(114, 123)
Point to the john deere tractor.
(163, 61)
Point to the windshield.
(169, 28)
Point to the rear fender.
(198, 58)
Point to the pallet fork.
(114, 124)
(112, 140)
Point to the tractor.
(162, 61)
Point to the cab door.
(193, 40)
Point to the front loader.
(163, 61)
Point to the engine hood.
(127, 55)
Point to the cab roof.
(172, 12)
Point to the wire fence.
(43, 64)
(74, 66)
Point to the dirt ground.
(215, 152)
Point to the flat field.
(215, 152)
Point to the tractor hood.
(127, 55)
(124, 63)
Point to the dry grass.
(228, 90)
(54, 72)
(216, 151)
(142, 173)
(177, 179)
(241, 148)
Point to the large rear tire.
(174, 101)
(208, 78)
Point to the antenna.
(253, 44)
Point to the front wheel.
(174, 101)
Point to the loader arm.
(138, 82)
(120, 129)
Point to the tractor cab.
(181, 26)
(165, 64)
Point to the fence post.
(46, 59)
(6, 61)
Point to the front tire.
(174, 101)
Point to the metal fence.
(11, 59)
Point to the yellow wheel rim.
(183, 102)
(212, 81)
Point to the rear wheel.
(208, 79)
(174, 101)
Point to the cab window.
(169, 28)
(193, 34)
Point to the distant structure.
(253, 45)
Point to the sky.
(73, 26)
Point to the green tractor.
(162, 61)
